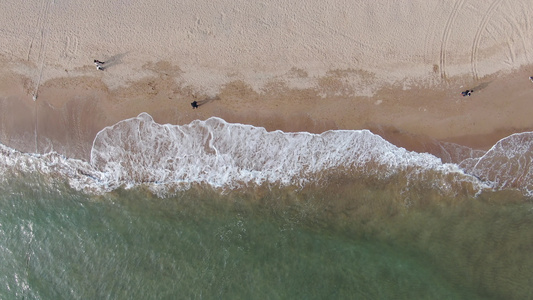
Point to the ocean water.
(217, 210)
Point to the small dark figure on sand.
(194, 104)
(531, 78)
(467, 93)
(99, 64)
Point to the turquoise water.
(56, 243)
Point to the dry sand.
(396, 67)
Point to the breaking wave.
(507, 164)
(138, 151)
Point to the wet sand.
(70, 111)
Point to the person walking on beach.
(194, 104)
(99, 64)
(467, 93)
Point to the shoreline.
(392, 66)
(70, 111)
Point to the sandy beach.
(113, 186)
(394, 67)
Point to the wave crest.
(138, 150)
(508, 164)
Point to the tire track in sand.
(482, 26)
(71, 44)
(41, 26)
(431, 36)
(446, 35)
(520, 28)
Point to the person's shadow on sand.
(481, 86)
(114, 60)
(195, 104)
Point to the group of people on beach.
(467, 93)
(99, 64)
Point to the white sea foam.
(508, 164)
(139, 151)
(79, 174)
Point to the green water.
(60, 244)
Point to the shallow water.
(218, 210)
(59, 243)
